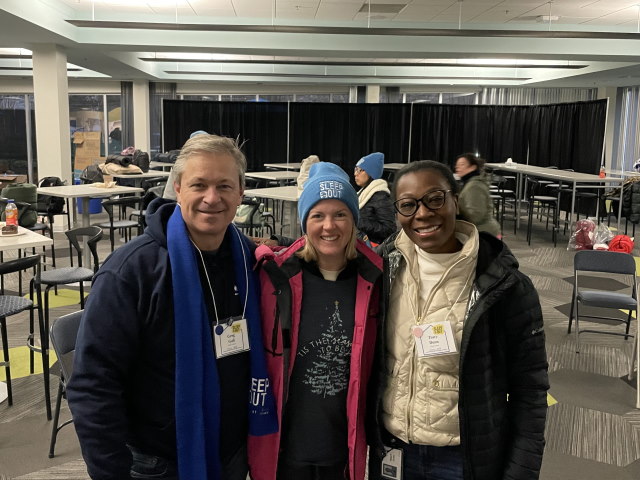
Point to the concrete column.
(609, 135)
(373, 94)
(51, 98)
(141, 122)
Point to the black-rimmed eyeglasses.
(434, 200)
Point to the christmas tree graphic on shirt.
(329, 373)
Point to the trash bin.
(95, 205)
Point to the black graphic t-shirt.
(234, 372)
(315, 424)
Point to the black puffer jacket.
(631, 200)
(377, 217)
(503, 370)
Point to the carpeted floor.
(593, 429)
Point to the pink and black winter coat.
(281, 298)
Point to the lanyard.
(246, 276)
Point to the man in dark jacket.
(161, 384)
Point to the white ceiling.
(340, 42)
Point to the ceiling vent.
(547, 18)
(388, 8)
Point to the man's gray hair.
(211, 144)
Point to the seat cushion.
(593, 298)
(12, 304)
(119, 224)
(61, 276)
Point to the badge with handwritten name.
(231, 337)
(434, 339)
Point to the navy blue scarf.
(197, 389)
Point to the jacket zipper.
(412, 375)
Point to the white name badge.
(231, 337)
(434, 339)
(392, 465)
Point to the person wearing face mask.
(474, 201)
(461, 390)
(320, 301)
(377, 219)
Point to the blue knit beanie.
(327, 181)
(372, 164)
(198, 132)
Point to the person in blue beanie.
(169, 372)
(377, 217)
(319, 308)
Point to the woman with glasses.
(461, 390)
(377, 219)
(474, 201)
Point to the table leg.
(294, 230)
(620, 215)
(573, 206)
(519, 196)
(86, 221)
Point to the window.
(314, 97)
(276, 98)
(422, 98)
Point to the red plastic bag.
(621, 243)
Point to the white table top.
(284, 166)
(77, 191)
(155, 164)
(149, 174)
(394, 166)
(273, 175)
(288, 193)
(25, 239)
(554, 173)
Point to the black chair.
(543, 202)
(68, 275)
(610, 263)
(150, 195)
(122, 223)
(11, 305)
(64, 332)
(251, 219)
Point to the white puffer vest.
(420, 404)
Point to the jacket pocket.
(442, 410)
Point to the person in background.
(461, 390)
(305, 166)
(159, 389)
(169, 191)
(475, 200)
(320, 302)
(377, 218)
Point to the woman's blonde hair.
(308, 253)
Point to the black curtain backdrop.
(568, 135)
(342, 133)
(260, 127)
